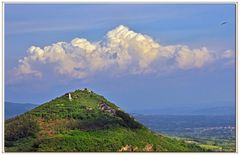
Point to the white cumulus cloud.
(123, 51)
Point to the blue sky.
(196, 26)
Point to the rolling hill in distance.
(84, 121)
(14, 109)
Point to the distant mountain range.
(14, 109)
(83, 121)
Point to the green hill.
(84, 122)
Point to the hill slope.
(85, 122)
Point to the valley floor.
(215, 133)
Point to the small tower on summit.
(70, 97)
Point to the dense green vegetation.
(81, 125)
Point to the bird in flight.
(223, 23)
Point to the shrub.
(21, 127)
(128, 121)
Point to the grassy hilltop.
(86, 122)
